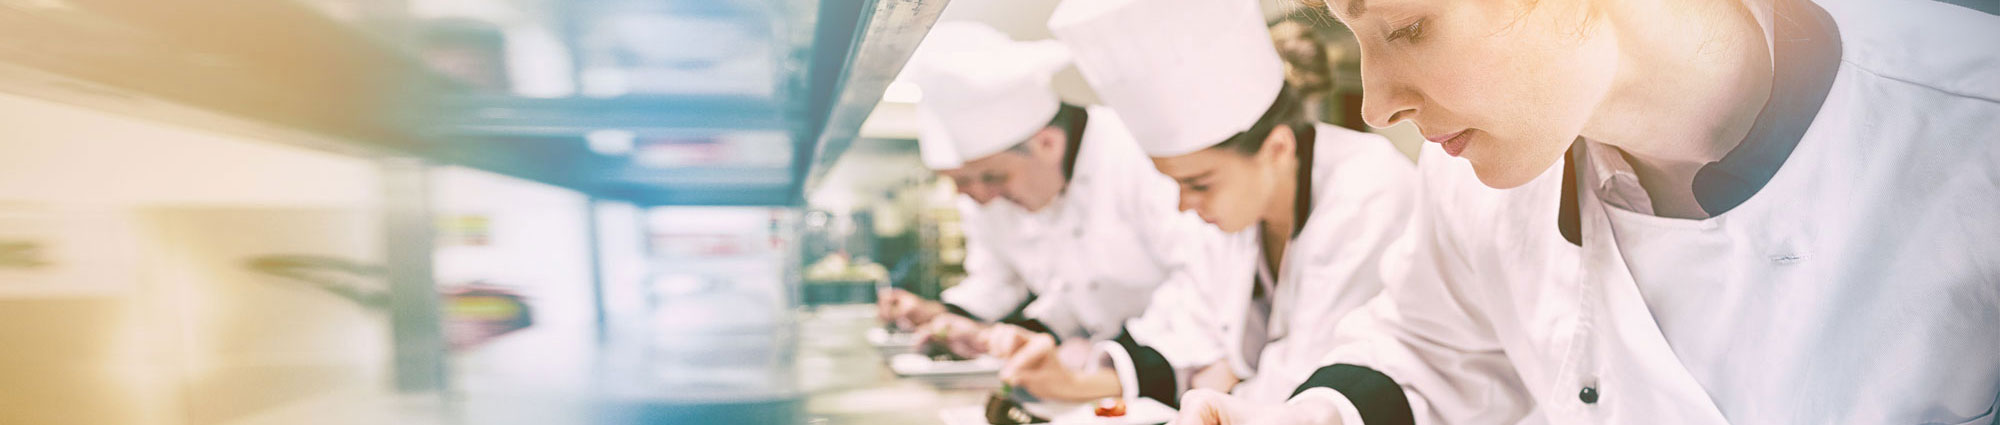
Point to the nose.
(1386, 99)
(977, 192)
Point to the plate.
(885, 340)
(1144, 411)
(919, 366)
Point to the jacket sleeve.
(1423, 352)
(1364, 209)
(1158, 351)
(1178, 333)
(992, 290)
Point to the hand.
(962, 335)
(1004, 340)
(1210, 407)
(1217, 376)
(904, 309)
(1035, 365)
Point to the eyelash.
(1414, 31)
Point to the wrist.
(1097, 384)
(926, 311)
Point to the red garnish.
(1110, 407)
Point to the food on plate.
(1110, 407)
(939, 349)
(1002, 409)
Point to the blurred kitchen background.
(257, 212)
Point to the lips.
(1453, 142)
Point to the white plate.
(917, 365)
(1144, 411)
(882, 338)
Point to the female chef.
(1692, 212)
(1097, 229)
(1310, 206)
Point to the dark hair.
(1068, 117)
(1286, 110)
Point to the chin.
(1502, 179)
(1513, 172)
(1023, 205)
(1232, 227)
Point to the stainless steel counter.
(847, 381)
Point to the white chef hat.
(1183, 74)
(934, 145)
(987, 96)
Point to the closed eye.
(1411, 32)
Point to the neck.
(1692, 77)
(1278, 218)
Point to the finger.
(975, 341)
(997, 341)
(907, 320)
(955, 335)
(1032, 355)
(927, 333)
(965, 339)
(1202, 407)
(885, 305)
(893, 308)
(1011, 343)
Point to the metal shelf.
(359, 85)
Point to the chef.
(1100, 226)
(1676, 211)
(1309, 206)
(993, 290)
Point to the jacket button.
(1588, 395)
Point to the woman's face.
(1228, 188)
(1505, 84)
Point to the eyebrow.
(1356, 8)
(1197, 177)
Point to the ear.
(1279, 145)
(1048, 144)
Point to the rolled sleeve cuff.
(1036, 326)
(985, 306)
(1152, 375)
(1374, 397)
(1121, 364)
(954, 308)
